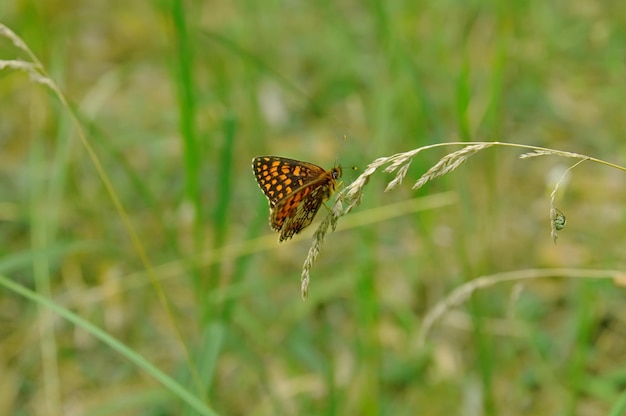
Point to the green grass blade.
(168, 382)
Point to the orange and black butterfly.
(295, 190)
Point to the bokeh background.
(175, 98)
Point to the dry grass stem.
(399, 163)
(352, 195)
(463, 292)
(38, 74)
(551, 152)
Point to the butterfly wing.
(279, 177)
(297, 211)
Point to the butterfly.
(295, 191)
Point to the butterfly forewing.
(279, 176)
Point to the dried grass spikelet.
(34, 69)
(400, 163)
(449, 163)
(352, 194)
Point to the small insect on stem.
(557, 222)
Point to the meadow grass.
(139, 275)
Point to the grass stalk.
(37, 74)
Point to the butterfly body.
(295, 191)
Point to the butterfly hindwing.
(302, 215)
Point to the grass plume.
(352, 195)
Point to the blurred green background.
(176, 98)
